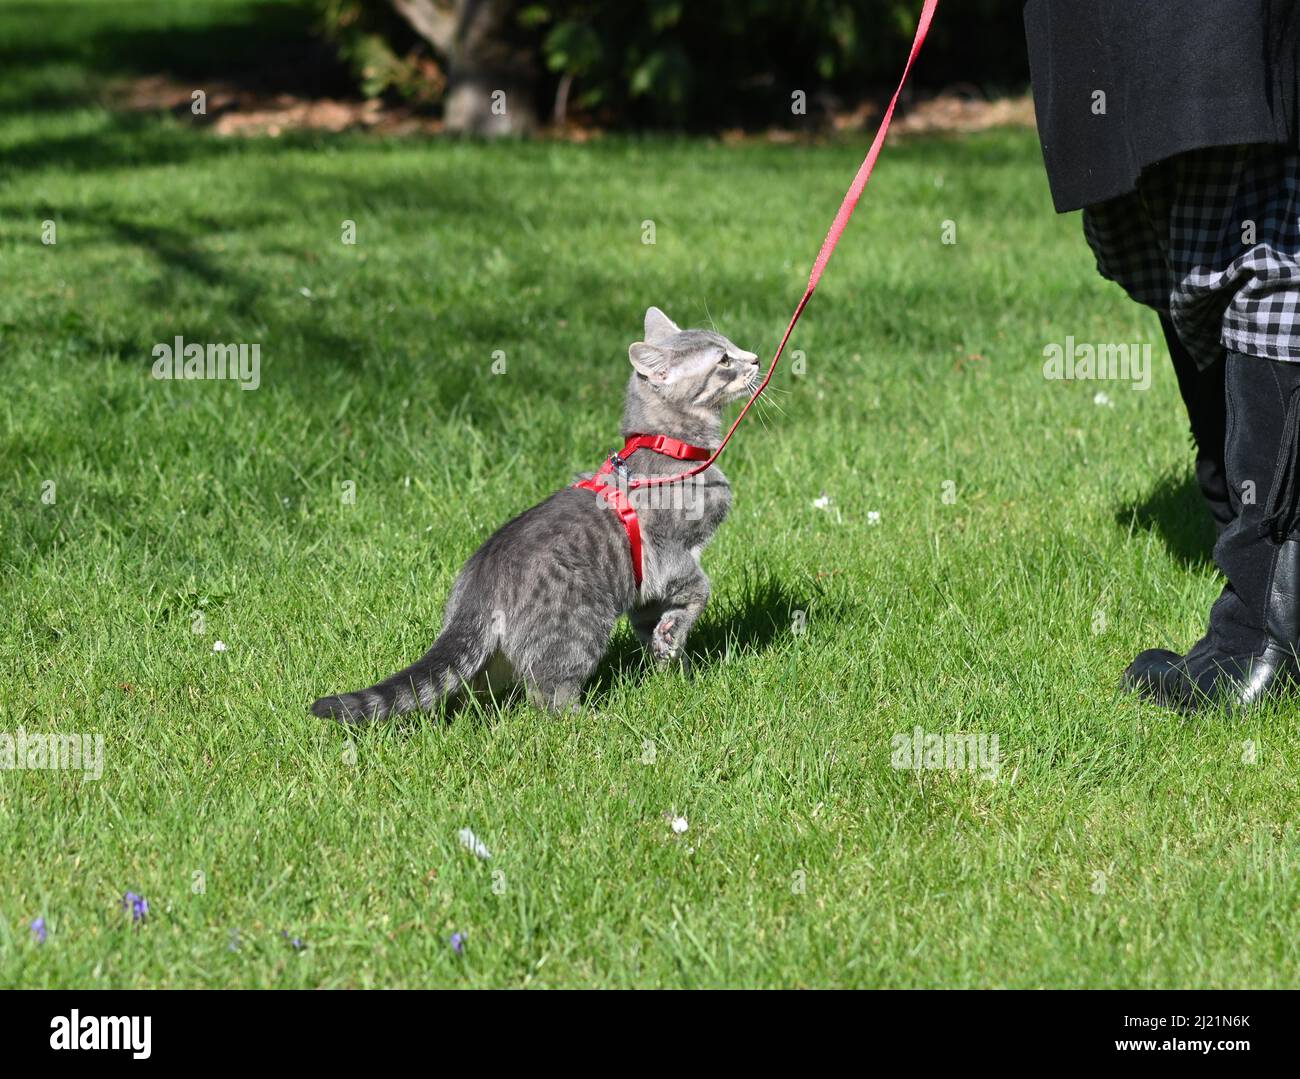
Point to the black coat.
(1177, 75)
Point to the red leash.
(616, 493)
(824, 255)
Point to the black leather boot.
(1249, 651)
(1204, 396)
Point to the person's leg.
(1249, 650)
(1203, 395)
(1126, 235)
(1176, 244)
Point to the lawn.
(995, 548)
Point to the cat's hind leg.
(557, 658)
(556, 698)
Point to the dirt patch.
(236, 110)
(960, 114)
(954, 113)
(233, 110)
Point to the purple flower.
(295, 943)
(137, 905)
(38, 930)
(458, 943)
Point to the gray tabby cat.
(538, 601)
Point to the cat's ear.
(658, 326)
(649, 361)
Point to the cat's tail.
(459, 653)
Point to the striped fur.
(537, 602)
(456, 657)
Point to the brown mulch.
(234, 110)
(237, 110)
(962, 115)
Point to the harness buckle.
(617, 462)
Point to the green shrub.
(670, 63)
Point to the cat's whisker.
(709, 315)
(766, 402)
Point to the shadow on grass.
(185, 276)
(273, 47)
(1175, 510)
(268, 49)
(750, 624)
(747, 625)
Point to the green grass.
(809, 860)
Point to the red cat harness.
(615, 494)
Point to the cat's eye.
(725, 361)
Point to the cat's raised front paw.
(663, 645)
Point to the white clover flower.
(471, 842)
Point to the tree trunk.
(491, 65)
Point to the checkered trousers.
(1211, 238)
